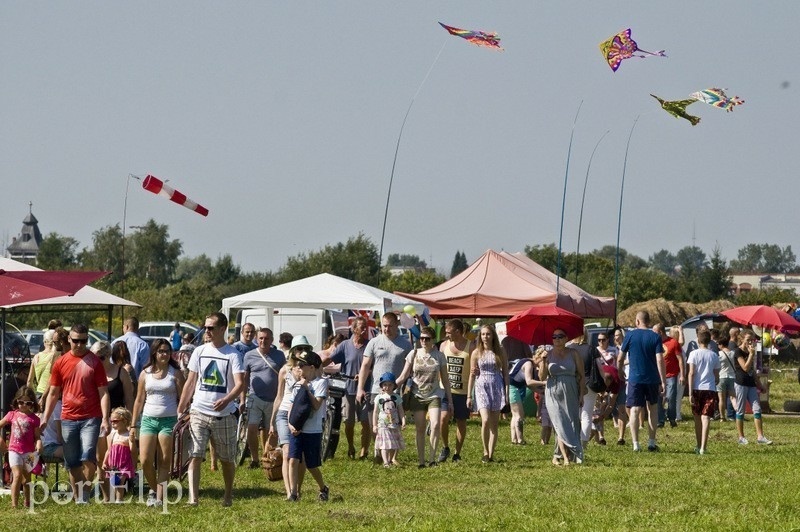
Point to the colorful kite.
(620, 47)
(156, 186)
(479, 38)
(717, 98)
(677, 108)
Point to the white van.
(316, 324)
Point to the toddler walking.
(387, 420)
(24, 444)
(118, 463)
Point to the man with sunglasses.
(78, 378)
(216, 378)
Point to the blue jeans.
(80, 441)
(672, 402)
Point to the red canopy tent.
(503, 284)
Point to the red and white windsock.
(156, 186)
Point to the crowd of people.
(102, 410)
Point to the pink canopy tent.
(503, 284)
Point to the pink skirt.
(388, 439)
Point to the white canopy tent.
(323, 291)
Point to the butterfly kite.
(717, 98)
(479, 38)
(677, 108)
(156, 186)
(620, 47)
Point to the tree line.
(149, 267)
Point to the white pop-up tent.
(323, 291)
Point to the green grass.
(733, 487)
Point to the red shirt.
(80, 379)
(671, 350)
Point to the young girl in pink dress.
(24, 443)
(388, 419)
(118, 463)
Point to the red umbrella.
(764, 316)
(32, 285)
(536, 325)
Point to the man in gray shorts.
(261, 367)
(385, 352)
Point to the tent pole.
(3, 366)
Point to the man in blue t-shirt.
(646, 376)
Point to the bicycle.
(337, 388)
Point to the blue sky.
(282, 119)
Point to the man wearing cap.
(385, 352)
(216, 378)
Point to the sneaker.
(323, 494)
(660, 425)
(652, 448)
(743, 441)
(456, 457)
(602, 441)
(636, 447)
(433, 464)
(254, 465)
(444, 454)
(673, 424)
(697, 450)
(621, 441)
(292, 498)
(485, 459)
(151, 499)
(702, 451)
(764, 441)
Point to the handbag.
(596, 382)
(272, 460)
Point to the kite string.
(619, 219)
(564, 199)
(397, 150)
(583, 201)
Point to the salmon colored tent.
(502, 284)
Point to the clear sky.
(282, 118)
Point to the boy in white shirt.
(703, 378)
(305, 443)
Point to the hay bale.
(669, 312)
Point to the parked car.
(150, 330)
(15, 349)
(35, 340)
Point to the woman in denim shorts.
(288, 375)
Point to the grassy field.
(733, 487)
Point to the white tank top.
(162, 395)
(286, 402)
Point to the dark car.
(15, 349)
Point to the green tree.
(105, 254)
(199, 267)
(717, 277)
(544, 255)
(459, 263)
(765, 258)
(625, 259)
(153, 256)
(663, 261)
(407, 261)
(769, 296)
(357, 260)
(412, 282)
(57, 252)
(691, 257)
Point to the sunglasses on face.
(79, 340)
(424, 338)
(26, 403)
(559, 336)
(602, 339)
(210, 327)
